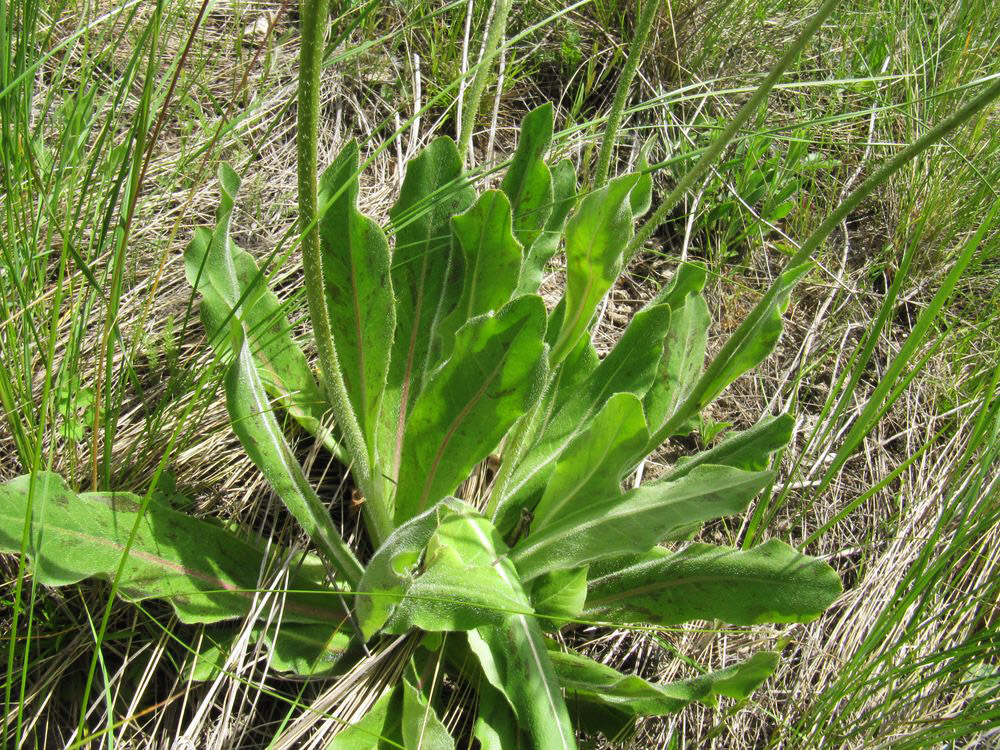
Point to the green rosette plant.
(498, 445)
(492, 449)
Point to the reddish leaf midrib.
(404, 395)
(362, 380)
(452, 429)
(189, 572)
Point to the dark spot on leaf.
(123, 502)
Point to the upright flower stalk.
(313, 14)
(621, 94)
(474, 95)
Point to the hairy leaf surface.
(596, 236)
(443, 570)
(575, 369)
(205, 572)
(515, 661)
(592, 682)
(282, 365)
(593, 464)
(641, 198)
(528, 182)
(629, 368)
(470, 402)
(683, 358)
(560, 594)
(768, 583)
(752, 341)
(465, 580)
(425, 270)
(379, 729)
(546, 243)
(689, 278)
(250, 410)
(395, 564)
(421, 726)
(254, 423)
(750, 449)
(492, 262)
(359, 295)
(636, 521)
(496, 725)
(300, 649)
(746, 348)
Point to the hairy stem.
(313, 15)
(621, 94)
(491, 42)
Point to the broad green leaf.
(304, 650)
(741, 680)
(546, 243)
(515, 661)
(470, 402)
(395, 564)
(218, 270)
(680, 366)
(593, 464)
(450, 596)
(496, 725)
(465, 580)
(596, 236)
(205, 572)
(210, 659)
(442, 570)
(421, 726)
(379, 729)
(358, 290)
(683, 349)
(768, 583)
(528, 182)
(636, 521)
(283, 367)
(492, 261)
(628, 368)
(753, 343)
(424, 271)
(522, 436)
(641, 198)
(689, 277)
(249, 408)
(560, 594)
(511, 649)
(745, 349)
(750, 449)
(575, 369)
(591, 682)
(254, 423)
